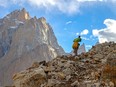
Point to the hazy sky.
(94, 20)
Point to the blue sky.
(94, 20)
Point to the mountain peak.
(42, 19)
(23, 9)
(21, 15)
(24, 40)
(25, 14)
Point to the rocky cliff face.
(24, 40)
(96, 68)
(81, 49)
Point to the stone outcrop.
(81, 49)
(24, 40)
(96, 68)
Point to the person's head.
(79, 36)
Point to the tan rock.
(68, 77)
(30, 79)
(61, 75)
(23, 41)
(111, 84)
(76, 83)
(68, 72)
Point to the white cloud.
(3, 3)
(64, 6)
(106, 34)
(88, 46)
(92, 37)
(68, 22)
(84, 32)
(68, 7)
(95, 32)
(77, 33)
(84, 38)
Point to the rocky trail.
(96, 68)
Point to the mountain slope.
(96, 68)
(24, 40)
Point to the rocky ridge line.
(96, 68)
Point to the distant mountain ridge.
(24, 40)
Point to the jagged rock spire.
(24, 40)
(24, 15)
(21, 15)
(82, 49)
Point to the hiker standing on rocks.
(76, 44)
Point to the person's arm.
(80, 39)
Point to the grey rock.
(24, 40)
